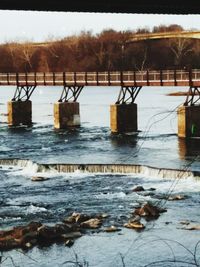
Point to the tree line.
(105, 51)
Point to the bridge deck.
(117, 78)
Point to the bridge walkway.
(114, 78)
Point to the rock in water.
(192, 227)
(92, 223)
(185, 222)
(102, 216)
(38, 178)
(176, 197)
(138, 189)
(149, 211)
(47, 233)
(77, 218)
(111, 229)
(134, 225)
(69, 242)
(72, 235)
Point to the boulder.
(136, 218)
(8, 243)
(35, 233)
(149, 211)
(192, 227)
(134, 225)
(47, 233)
(111, 229)
(138, 189)
(176, 197)
(65, 228)
(19, 231)
(77, 218)
(28, 238)
(72, 235)
(92, 223)
(69, 242)
(38, 178)
(102, 216)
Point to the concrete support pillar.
(66, 114)
(188, 147)
(19, 113)
(123, 118)
(189, 121)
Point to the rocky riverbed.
(71, 228)
(98, 216)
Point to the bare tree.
(180, 48)
(21, 54)
(27, 51)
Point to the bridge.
(145, 36)
(123, 114)
(113, 78)
(164, 35)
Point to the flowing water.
(25, 152)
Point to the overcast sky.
(39, 26)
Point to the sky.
(40, 26)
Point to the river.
(156, 145)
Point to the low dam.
(102, 168)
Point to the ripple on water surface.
(50, 201)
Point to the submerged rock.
(176, 197)
(111, 229)
(102, 216)
(38, 178)
(148, 194)
(138, 189)
(192, 227)
(185, 222)
(151, 189)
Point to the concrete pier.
(19, 113)
(66, 114)
(189, 121)
(123, 118)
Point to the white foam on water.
(181, 185)
(33, 209)
(30, 169)
(10, 168)
(111, 195)
(78, 174)
(12, 202)
(46, 148)
(13, 219)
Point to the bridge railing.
(98, 78)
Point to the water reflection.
(123, 140)
(188, 147)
